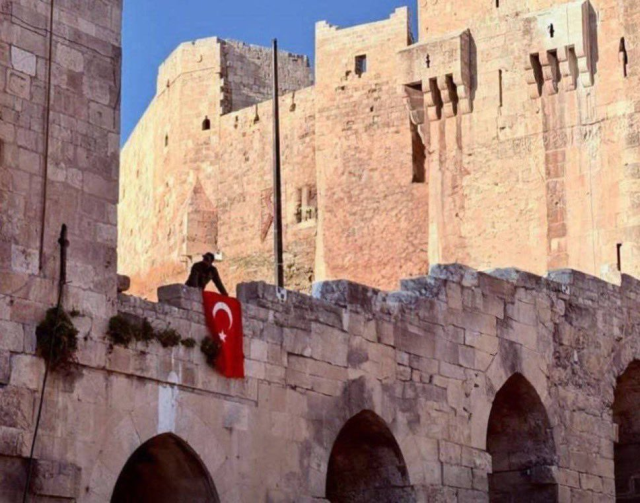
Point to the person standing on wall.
(204, 271)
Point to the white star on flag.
(223, 336)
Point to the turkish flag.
(224, 319)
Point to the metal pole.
(62, 281)
(277, 187)
(47, 125)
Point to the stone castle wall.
(196, 190)
(539, 172)
(506, 136)
(233, 165)
(59, 164)
(428, 361)
(81, 185)
(464, 386)
(372, 217)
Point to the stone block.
(13, 442)
(23, 61)
(456, 476)
(450, 453)
(180, 296)
(19, 85)
(236, 416)
(346, 293)
(591, 483)
(522, 312)
(27, 371)
(420, 344)
(11, 336)
(69, 58)
(456, 273)
(56, 479)
(297, 342)
(475, 458)
(5, 367)
(16, 407)
(474, 321)
(519, 333)
(425, 286)
(328, 344)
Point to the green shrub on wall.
(57, 338)
(211, 350)
(168, 337)
(189, 343)
(125, 329)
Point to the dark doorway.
(520, 442)
(367, 465)
(626, 414)
(164, 470)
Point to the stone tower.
(193, 153)
(505, 135)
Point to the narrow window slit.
(619, 256)
(361, 65)
(624, 56)
(500, 90)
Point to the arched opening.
(164, 470)
(626, 414)
(206, 124)
(520, 441)
(366, 464)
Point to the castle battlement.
(243, 71)
(435, 354)
(505, 302)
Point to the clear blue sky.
(153, 28)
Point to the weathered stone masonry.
(462, 386)
(504, 135)
(427, 362)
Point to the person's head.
(209, 258)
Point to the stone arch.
(366, 464)
(164, 469)
(520, 442)
(528, 364)
(626, 415)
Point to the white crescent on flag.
(221, 306)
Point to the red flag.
(224, 319)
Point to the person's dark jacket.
(201, 274)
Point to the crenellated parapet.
(437, 355)
(441, 69)
(559, 41)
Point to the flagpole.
(277, 187)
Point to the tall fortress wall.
(506, 136)
(200, 184)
